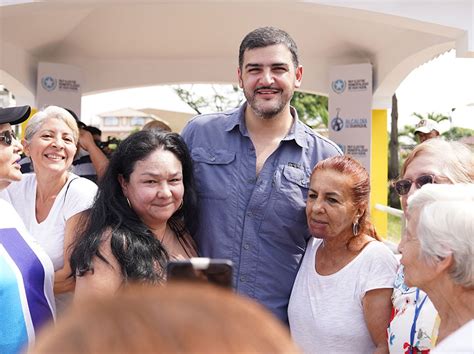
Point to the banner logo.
(338, 86)
(337, 123)
(49, 83)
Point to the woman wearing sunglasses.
(26, 272)
(51, 200)
(415, 323)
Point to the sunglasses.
(403, 186)
(7, 137)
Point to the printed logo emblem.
(49, 83)
(338, 86)
(337, 123)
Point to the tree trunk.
(393, 198)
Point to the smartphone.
(214, 271)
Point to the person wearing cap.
(51, 200)
(26, 272)
(426, 129)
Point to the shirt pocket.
(292, 194)
(213, 172)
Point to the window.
(137, 121)
(111, 121)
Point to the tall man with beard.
(252, 167)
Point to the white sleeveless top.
(325, 312)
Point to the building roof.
(176, 120)
(129, 43)
(126, 112)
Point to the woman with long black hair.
(142, 216)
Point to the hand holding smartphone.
(214, 271)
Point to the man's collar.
(296, 132)
(237, 117)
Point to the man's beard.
(266, 112)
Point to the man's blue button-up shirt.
(258, 222)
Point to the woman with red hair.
(341, 297)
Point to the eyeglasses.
(403, 186)
(7, 137)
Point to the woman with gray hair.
(51, 200)
(437, 253)
(414, 327)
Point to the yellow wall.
(379, 170)
(23, 125)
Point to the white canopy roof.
(132, 43)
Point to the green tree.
(209, 98)
(437, 117)
(408, 131)
(456, 133)
(312, 109)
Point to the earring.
(355, 228)
(129, 204)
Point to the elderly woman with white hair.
(413, 328)
(51, 200)
(437, 254)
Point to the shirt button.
(243, 278)
(213, 158)
(246, 246)
(249, 214)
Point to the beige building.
(120, 123)
(176, 120)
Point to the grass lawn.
(394, 229)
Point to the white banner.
(350, 110)
(59, 85)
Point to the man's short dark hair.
(267, 36)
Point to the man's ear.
(299, 76)
(239, 75)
